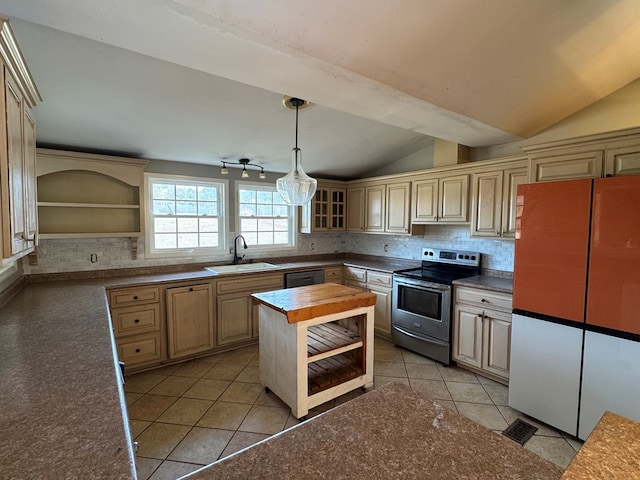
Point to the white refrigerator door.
(544, 380)
(610, 380)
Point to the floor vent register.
(520, 431)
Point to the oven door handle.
(418, 337)
(418, 285)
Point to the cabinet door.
(398, 197)
(375, 208)
(338, 206)
(29, 177)
(453, 198)
(467, 335)
(355, 209)
(425, 201)
(497, 343)
(623, 161)
(15, 242)
(189, 320)
(566, 167)
(234, 318)
(487, 204)
(382, 312)
(320, 210)
(513, 177)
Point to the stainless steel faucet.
(236, 257)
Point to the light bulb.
(245, 174)
(262, 174)
(223, 170)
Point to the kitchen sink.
(242, 268)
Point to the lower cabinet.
(137, 325)
(237, 318)
(190, 320)
(380, 284)
(482, 331)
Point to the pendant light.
(296, 187)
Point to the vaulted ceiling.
(199, 81)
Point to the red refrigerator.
(575, 345)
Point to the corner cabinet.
(494, 196)
(482, 331)
(376, 207)
(440, 199)
(326, 212)
(82, 195)
(19, 224)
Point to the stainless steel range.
(421, 313)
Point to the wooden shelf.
(330, 339)
(329, 372)
(88, 205)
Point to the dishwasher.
(306, 277)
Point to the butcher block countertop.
(391, 432)
(304, 303)
(612, 451)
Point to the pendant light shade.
(296, 187)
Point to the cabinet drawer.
(354, 273)
(484, 298)
(133, 296)
(250, 283)
(134, 320)
(377, 278)
(133, 351)
(332, 274)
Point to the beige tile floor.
(189, 415)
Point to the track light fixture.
(244, 162)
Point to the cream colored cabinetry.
(623, 161)
(380, 284)
(482, 331)
(136, 314)
(190, 320)
(83, 195)
(566, 166)
(18, 225)
(440, 199)
(334, 274)
(375, 202)
(494, 196)
(355, 209)
(326, 212)
(375, 207)
(237, 320)
(593, 156)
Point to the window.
(185, 215)
(265, 220)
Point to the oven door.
(422, 307)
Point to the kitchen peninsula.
(316, 343)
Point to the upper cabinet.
(442, 198)
(83, 195)
(327, 210)
(19, 225)
(593, 156)
(493, 198)
(379, 207)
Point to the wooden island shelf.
(316, 343)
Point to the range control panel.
(455, 257)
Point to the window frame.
(223, 217)
(293, 217)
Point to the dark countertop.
(391, 432)
(487, 282)
(63, 411)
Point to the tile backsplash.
(71, 255)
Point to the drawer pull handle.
(191, 289)
(135, 297)
(137, 350)
(137, 320)
(483, 301)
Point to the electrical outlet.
(386, 247)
